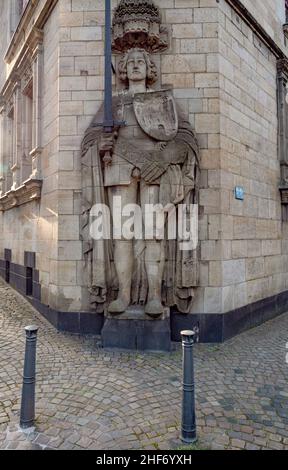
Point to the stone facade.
(223, 72)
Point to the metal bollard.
(27, 415)
(188, 428)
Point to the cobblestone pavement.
(91, 399)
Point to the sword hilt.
(110, 126)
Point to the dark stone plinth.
(29, 259)
(136, 331)
(8, 255)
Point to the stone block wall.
(254, 258)
(81, 84)
(47, 236)
(271, 15)
(225, 80)
(33, 227)
(190, 66)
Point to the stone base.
(136, 331)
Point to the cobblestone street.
(91, 399)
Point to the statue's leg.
(154, 256)
(123, 251)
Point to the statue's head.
(136, 66)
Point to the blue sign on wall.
(239, 193)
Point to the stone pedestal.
(134, 330)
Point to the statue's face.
(136, 67)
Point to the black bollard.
(188, 429)
(27, 415)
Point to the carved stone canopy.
(137, 23)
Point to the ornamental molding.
(284, 195)
(27, 192)
(282, 68)
(257, 28)
(27, 41)
(34, 17)
(23, 65)
(27, 80)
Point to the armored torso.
(120, 171)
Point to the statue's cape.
(179, 184)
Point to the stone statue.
(153, 159)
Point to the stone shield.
(156, 114)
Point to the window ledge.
(27, 192)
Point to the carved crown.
(137, 23)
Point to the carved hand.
(107, 143)
(106, 146)
(173, 153)
(161, 146)
(151, 171)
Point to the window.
(27, 117)
(286, 9)
(282, 82)
(10, 133)
(21, 124)
(17, 130)
(9, 150)
(282, 91)
(7, 132)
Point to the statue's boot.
(154, 308)
(154, 263)
(118, 306)
(123, 258)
